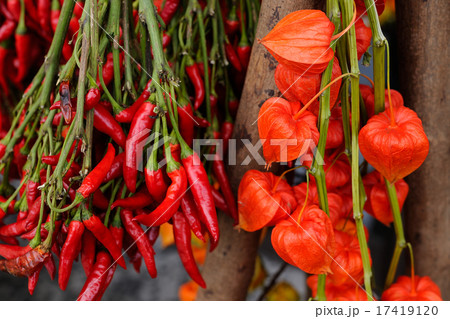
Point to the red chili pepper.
(31, 9)
(70, 250)
(169, 10)
(213, 100)
(22, 226)
(201, 189)
(88, 252)
(232, 21)
(43, 13)
(92, 99)
(232, 57)
(23, 46)
(243, 51)
(219, 201)
(108, 71)
(166, 40)
(97, 278)
(222, 178)
(140, 127)
(200, 122)
(27, 264)
(14, 8)
(33, 280)
(152, 234)
(4, 56)
(78, 9)
(32, 191)
(233, 104)
(105, 123)
(51, 267)
(182, 235)
(139, 200)
(7, 29)
(11, 252)
(74, 26)
(116, 168)
(94, 179)
(195, 76)
(142, 241)
(226, 132)
(170, 204)
(103, 235)
(127, 115)
(190, 211)
(133, 252)
(155, 182)
(186, 122)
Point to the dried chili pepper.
(195, 76)
(70, 250)
(103, 235)
(139, 200)
(142, 123)
(142, 241)
(182, 235)
(27, 264)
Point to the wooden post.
(229, 269)
(423, 55)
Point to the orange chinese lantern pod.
(308, 243)
(188, 291)
(361, 7)
(363, 37)
(377, 203)
(347, 266)
(337, 170)
(369, 100)
(259, 204)
(345, 292)
(301, 41)
(419, 289)
(395, 146)
(347, 225)
(335, 134)
(334, 200)
(285, 138)
(298, 87)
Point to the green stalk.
(115, 14)
(126, 39)
(400, 242)
(347, 9)
(379, 50)
(324, 119)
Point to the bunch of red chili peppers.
(121, 79)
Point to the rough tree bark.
(423, 48)
(229, 269)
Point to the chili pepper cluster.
(318, 224)
(120, 79)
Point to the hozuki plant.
(316, 122)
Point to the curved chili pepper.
(190, 211)
(7, 29)
(201, 189)
(116, 168)
(27, 264)
(139, 200)
(200, 122)
(142, 241)
(22, 226)
(152, 234)
(195, 76)
(169, 10)
(222, 178)
(70, 250)
(96, 278)
(170, 204)
(88, 252)
(103, 235)
(182, 235)
(232, 57)
(219, 201)
(154, 179)
(105, 123)
(127, 115)
(142, 123)
(95, 178)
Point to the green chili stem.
(126, 40)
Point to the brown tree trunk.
(228, 270)
(423, 43)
